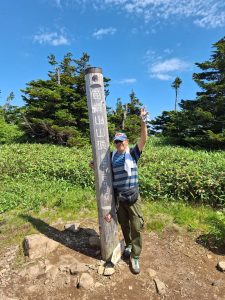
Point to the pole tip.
(89, 70)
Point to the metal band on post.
(102, 161)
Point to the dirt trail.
(184, 268)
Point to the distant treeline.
(55, 109)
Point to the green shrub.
(9, 133)
(168, 172)
(34, 175)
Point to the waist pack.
(128, 196)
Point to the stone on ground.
(52, 272)
(109, 271)
(221, 266)
(86, 281)
(73, 227)
(78, 268)
(160, 286)
(38, 245)
(151, 272)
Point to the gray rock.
(101, 270)
(109, 271)
(65, 268)
(34, 270)
(221, 266)
(38, 245)
(52, 272)
(73, 227)
(151, 272)
(78, 268)
(92, 267)
(218, 283)
(86, 281)
(98, 284)
(160, 286)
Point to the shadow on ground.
(212, 243)
(78, 241)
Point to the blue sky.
(140, 44)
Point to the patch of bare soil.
(173, 266)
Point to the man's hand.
(144, 114)
(144, 130)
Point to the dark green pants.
(131, 222)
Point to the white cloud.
(127, 81)
(161, 76)
(51, 38)
(203, 13)
(164, 70)
(168, 51)
(151, 55)
(104, 31)
(169, 65)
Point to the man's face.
(121, 146)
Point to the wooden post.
(102, 161)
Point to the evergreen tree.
(10, 113)
(125, 118)
(201, 121)
(56, 109)
(207, 112)
(133, 123)
(176, 85)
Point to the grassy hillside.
(51, 182)
(35, 175)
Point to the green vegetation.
(35, 175)
(201, 122)
(201, 219)
(50, 182)
(56, 109)
(125, 118)
(169, 172)
(9, 132)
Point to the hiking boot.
(134, 264)
(127, 251)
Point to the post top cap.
(93, 70)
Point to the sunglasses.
(117, 142)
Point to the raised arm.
(144, 129)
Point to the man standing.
(125, 184)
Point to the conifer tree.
(201, 121)
(56, 109)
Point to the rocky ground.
(174, 265)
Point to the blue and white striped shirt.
(121, 180)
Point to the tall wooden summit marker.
(102, 161)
